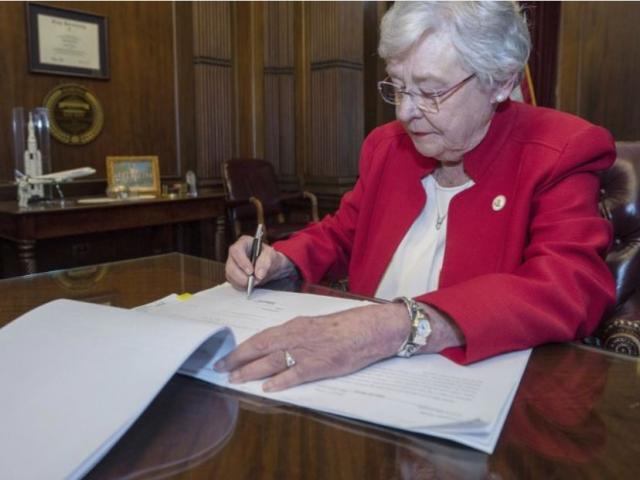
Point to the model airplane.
(59, 177)
(26, 184)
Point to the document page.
(225, 306)
(75, 376)
(426, 393)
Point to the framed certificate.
(66, 42)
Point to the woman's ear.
(502, 92)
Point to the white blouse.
(416, 264)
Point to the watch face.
(424, 328)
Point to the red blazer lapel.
(396, 203)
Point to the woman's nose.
(407, 110)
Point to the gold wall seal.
(75, 115)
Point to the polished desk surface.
(57, 219)
(576, 413)
(25, 227)
(89, 203)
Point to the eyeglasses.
(427, 102)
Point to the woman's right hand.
(270, 265)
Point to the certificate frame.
(139, 174)
(61, 48)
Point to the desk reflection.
(437, 459)
(189, 421)
(553, 418)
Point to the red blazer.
(512, 278)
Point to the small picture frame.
(62, 41)
(138, 174)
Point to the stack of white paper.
(427, 394)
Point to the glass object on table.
(32, 147)
(120, 192)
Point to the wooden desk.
(576, 413)
(83, 225)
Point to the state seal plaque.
(75, 115)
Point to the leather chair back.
(252, 177)
(620, 203)
(253, 196)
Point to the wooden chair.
(253, 197)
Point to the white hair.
(491, 37)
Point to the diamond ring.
(288, 359)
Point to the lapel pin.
(498, 203)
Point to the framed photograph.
(67, 42)
(138, 174)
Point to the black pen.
(256, 247)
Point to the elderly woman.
(480, 211)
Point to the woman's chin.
(434, 149)
(426, 147)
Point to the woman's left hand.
(323, 346)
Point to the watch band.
(420, 328)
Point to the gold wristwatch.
(420, 328)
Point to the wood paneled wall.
(282, 81)
(139, 98)
(599, 65)
(337, 117)
(279, 88)
(544, 21)
(213, 87)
